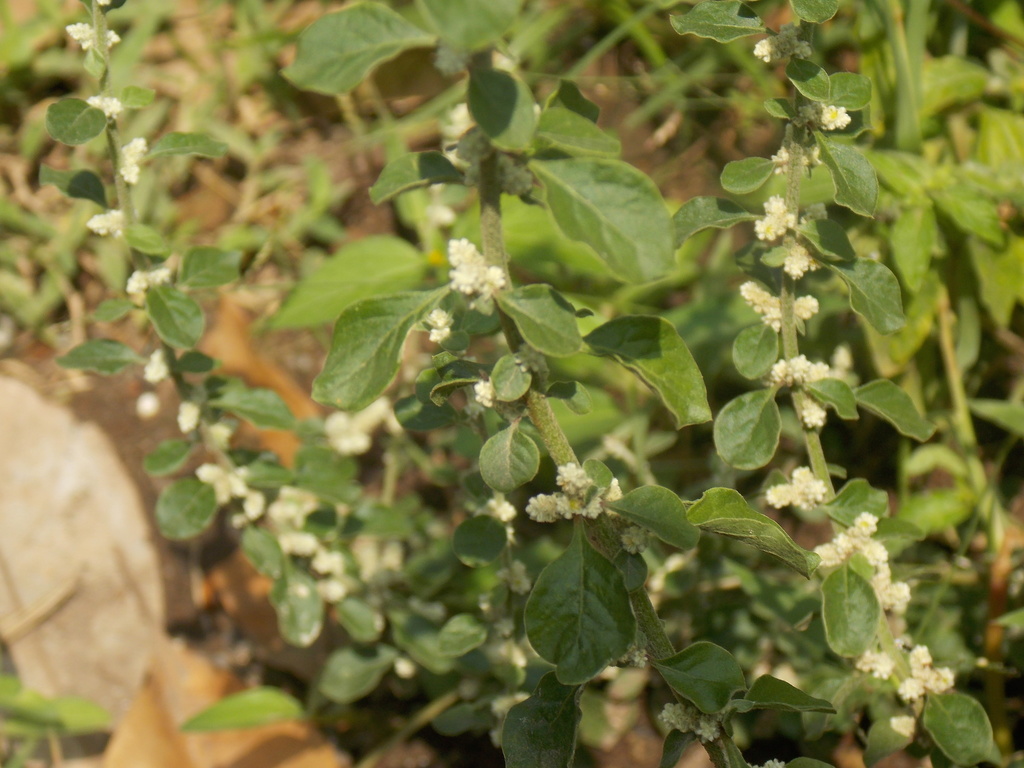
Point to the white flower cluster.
(455, 125)
(828, 117)
(783, 45)
(904, 725)
(470, 273)
(437, 212)
(141, 281)
(798, 262)
(803, 490)
(771, 764)
(85, 36)
(876, 663)
(893, 595)
(188, 416)
(576, 487)
(484, 393)
(812, 413)
(797, 370)
(156, 368)
(110, 106)
(924, 678)
(230, 484)
(782, 159)
(131, 154)
(516, 577)
(777, 221)
(770, 307)
(350, 434)
(147, 406)
(501, 510)
(691, 720)
(109, 223)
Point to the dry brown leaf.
(230, 342)
(183, 683)
(80, 591)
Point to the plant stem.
(415, 723)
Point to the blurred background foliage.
(945, 131)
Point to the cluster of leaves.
(589, 605)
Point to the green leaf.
(359, 620)
(960, 728)
(336, 52)
(351, 673)
(815, 11)
(72, 121)
(578, 616)
(177, 319)
(263, 551)
(263, 408)
(850, 610)
(565, 130)
(509, 379)
(185, 508)
(660, 511)
(883, 741)
(112, 309)
(810, 79)
(418, 637)
(1009, 416)
(725, 512)
(652, 349)
(701, 213)
(367, 346)
(461, 634)
(854, 178)
(742, 177)
(412, 171)
(81, 185)
(573, 394)
(747, 429)
(769, 692)
(79, 716)
(829, 239)
(569, 96)
(836, 393)
(633, 568)
(167, 458)
(467, 25)
(509, 459)
(194, 362)
(249, 709)
(545, 319)
(706, 674)
(755, 351)
(300, 611)
(146, 240)
(972, 210)
(343, 279)
(883, 398)
(675, 744)
(209, 267)
(503, 106)
(913, 238)
(104, 356)
(937, 510)
(135, 97)
(874, 293)
(613, 208)
(541, 731)
(479, 540)
(187, 144)
(855, 497)
(849, 90)
(1013, 619)
(723, 21)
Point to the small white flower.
(156, 369)
(804, 490)
(405, 668)
(298, 543)
(834, 118)
(457, 122)
(544, 508)
(85, 36)
(147, 406)
(635, 539)
(108, 105)
(484, 393)
(220, 434)
(329, 562)
(516, 577)
(141, 281)
(440, 324)
(777, 220)
(225, 482)
(780, 159)
(501, 510)
(614, 491)
(573, 480)
(876, 664)
(332, 590)
(350, 434)
(782, 46)
(131, 154)
(805, 307)
(291, 507)
(796, 371)
(798, 262)
(470, 273)
(253, 505)
(110, 223)
(188, 416)
(812, 414)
